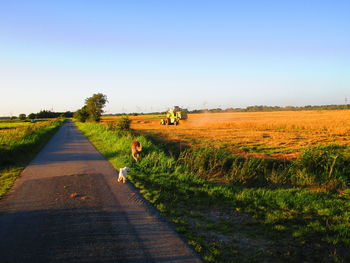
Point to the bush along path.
(254, 210)
(19, 146)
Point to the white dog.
(122, 174)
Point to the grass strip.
(19, 146)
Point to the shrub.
(123, 123)
(81, 114)
(32, 116)
(22, 116)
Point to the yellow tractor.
(173, 116)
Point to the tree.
(94, 106)
(32, 116)
(68, 114)
(22, 116)
(81, 114)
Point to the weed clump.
(123, 123)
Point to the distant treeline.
(43, 114)
(135, 113)
(50, 114)
(256, 108)
(263, 108)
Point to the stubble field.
(281, 135)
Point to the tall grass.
(18, 146)
(245, 220)
(323, 166)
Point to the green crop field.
(6, 124)
(19, 142)
(13, 124)
(263, 210)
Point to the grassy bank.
(19, 145)
(248, 213)
(325, 167)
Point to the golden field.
(279, 134)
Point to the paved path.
(68, 207)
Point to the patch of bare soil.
(218, 232)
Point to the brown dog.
(136, 148)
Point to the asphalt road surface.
(68, 207)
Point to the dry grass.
(262, 134)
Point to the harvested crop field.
(279, 134)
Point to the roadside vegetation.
(19, 142)
(237, 209)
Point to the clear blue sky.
(148, 55)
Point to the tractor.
(173, 116)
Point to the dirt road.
(68, 207)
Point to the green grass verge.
(18, 147)
(236, 222)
